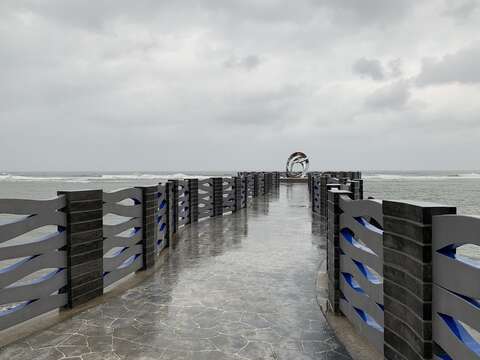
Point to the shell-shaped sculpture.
(297, 158)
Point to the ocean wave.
(96, 178)
(420, 177)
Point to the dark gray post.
(245, 186)
(237, 183)
(323, 181)
(149, 216)
(267, 183)
(325, 187)
(311, 180)
(84, 212)
(277, 179)
(360, 188)
(333, 248)
(174, 185)
(263, 179)
(217, 196)
(407, 272)
(355, 189)
(311, 190)
(256, 184)
(172, 205)
(193, 200)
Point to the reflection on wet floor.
(240, 286)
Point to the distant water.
(454, 188)
(37, 185)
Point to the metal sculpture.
(297, 159)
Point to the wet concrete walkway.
(239, 287)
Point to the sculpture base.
(302, 180)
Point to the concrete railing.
(64, 252)
(394, 272)
(361, 265)
(31, 298)
(456, 287)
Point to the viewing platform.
(239, 286)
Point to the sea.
(460, 188)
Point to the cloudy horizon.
(218, 85)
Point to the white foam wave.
(420, 177)
(96, 178)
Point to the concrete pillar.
(312, 182)
(268, 182)
(276, 180)
(407, 272)
(149, 227)
(325, 187)
(355, 189)
(84, 228)
(256, 184)
(360, 188)
(333, 248)
(261, 177)
(237, 189)
(193, 200)
(217, 196)
(171, 197)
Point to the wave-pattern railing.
(161, 240)
(405, 273)
(183, 203)
(250, 186)
(315, 193)
(64, 252)
(456, 288)
(361, 266)
(33, 271)
(228, 195)
(205, 198)
(261, 183)
(122, 245)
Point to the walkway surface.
(238, 287)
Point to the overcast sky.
(220, 85)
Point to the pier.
(247, 267)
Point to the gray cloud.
(372, 68)
(396, 68)
(248, 63)
(113, 84)
(368, 12)
(376, 70)
(458, 67)
(461, 10)
(390, 97)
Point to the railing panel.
(361, 267)
(251, 185)
(32, 265)
(122, 246)
(316, 195)
(228, 195)
(161, 218)
(183, 203)
(205, 198)
(456, 289)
